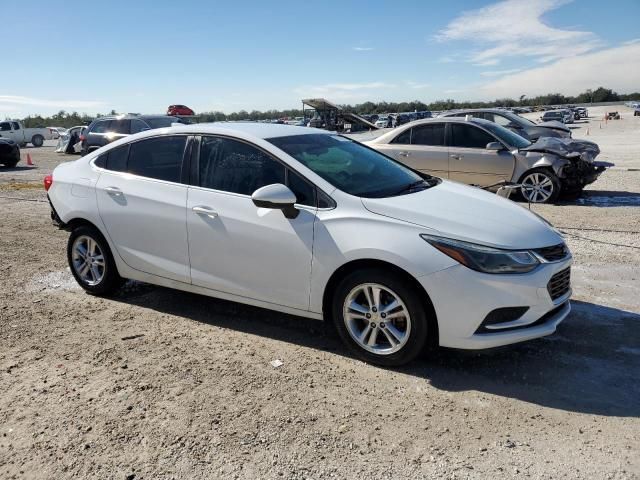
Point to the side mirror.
(276, 196)
(496, 146)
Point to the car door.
(469, 160)
(236, 247)
(142, 202)
(7, 131)
(421, 148)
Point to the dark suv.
(105, 130)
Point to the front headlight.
(482, 258)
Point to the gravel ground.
(157, 383)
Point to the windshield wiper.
(412, 186)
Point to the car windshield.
(352, 167)
(506, 135)
(161, 122)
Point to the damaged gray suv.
(482, 153)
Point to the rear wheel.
(380, 316)
(540, 186)
(91, 261)
(37, 140)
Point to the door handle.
(456, 157)
(404, 154)
(209, 212)
(113, 191)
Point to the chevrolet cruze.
(314, 224)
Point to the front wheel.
(380, 316)
(540, 186)
(91, 261)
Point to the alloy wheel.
(88, 260)
(377, 318)
(537, 187)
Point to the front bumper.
(580, 173)
(463, 299)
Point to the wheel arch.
(349, 267)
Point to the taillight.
(48, 181)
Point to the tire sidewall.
(410, 297)
(37, 141)
(552, 176)
(111, 279)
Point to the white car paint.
(221, 245)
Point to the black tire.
(111, 280)
(548, 173)
(37, 141)
(409, 295)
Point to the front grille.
(560, 283)
(553, 254)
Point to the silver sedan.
(478, 152)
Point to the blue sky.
(140, 56)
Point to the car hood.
(470, 214)
(555, 125)
(565, 147)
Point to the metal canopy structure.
(321, 113)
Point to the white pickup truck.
(16, 132)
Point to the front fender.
(551, 161)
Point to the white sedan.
(311, 223)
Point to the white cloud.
(16, 100)
(416, 85)
(609, 68)
(500, 73)
(362, 49)
(515, 28)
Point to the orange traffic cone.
(29, 161)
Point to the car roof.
(492, 110)
(129, 117)
(393, 133)
(254, 129)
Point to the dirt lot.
(162, 384)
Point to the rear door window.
(469, 136)
(432, 134)
(15, 125)
(159, 158)
(119, 126)
(138, 126)
(101, 126)
(117, 159)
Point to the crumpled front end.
(579, 173)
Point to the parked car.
(9, 152)
(308, 222)
(636, 111)
(384, 121)
(517, 124)
(70, 141)
(584, 113)
(56, 132)
(478, 152)
(553, 115)
(15, 131)
(175, 110)
(104, 130)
